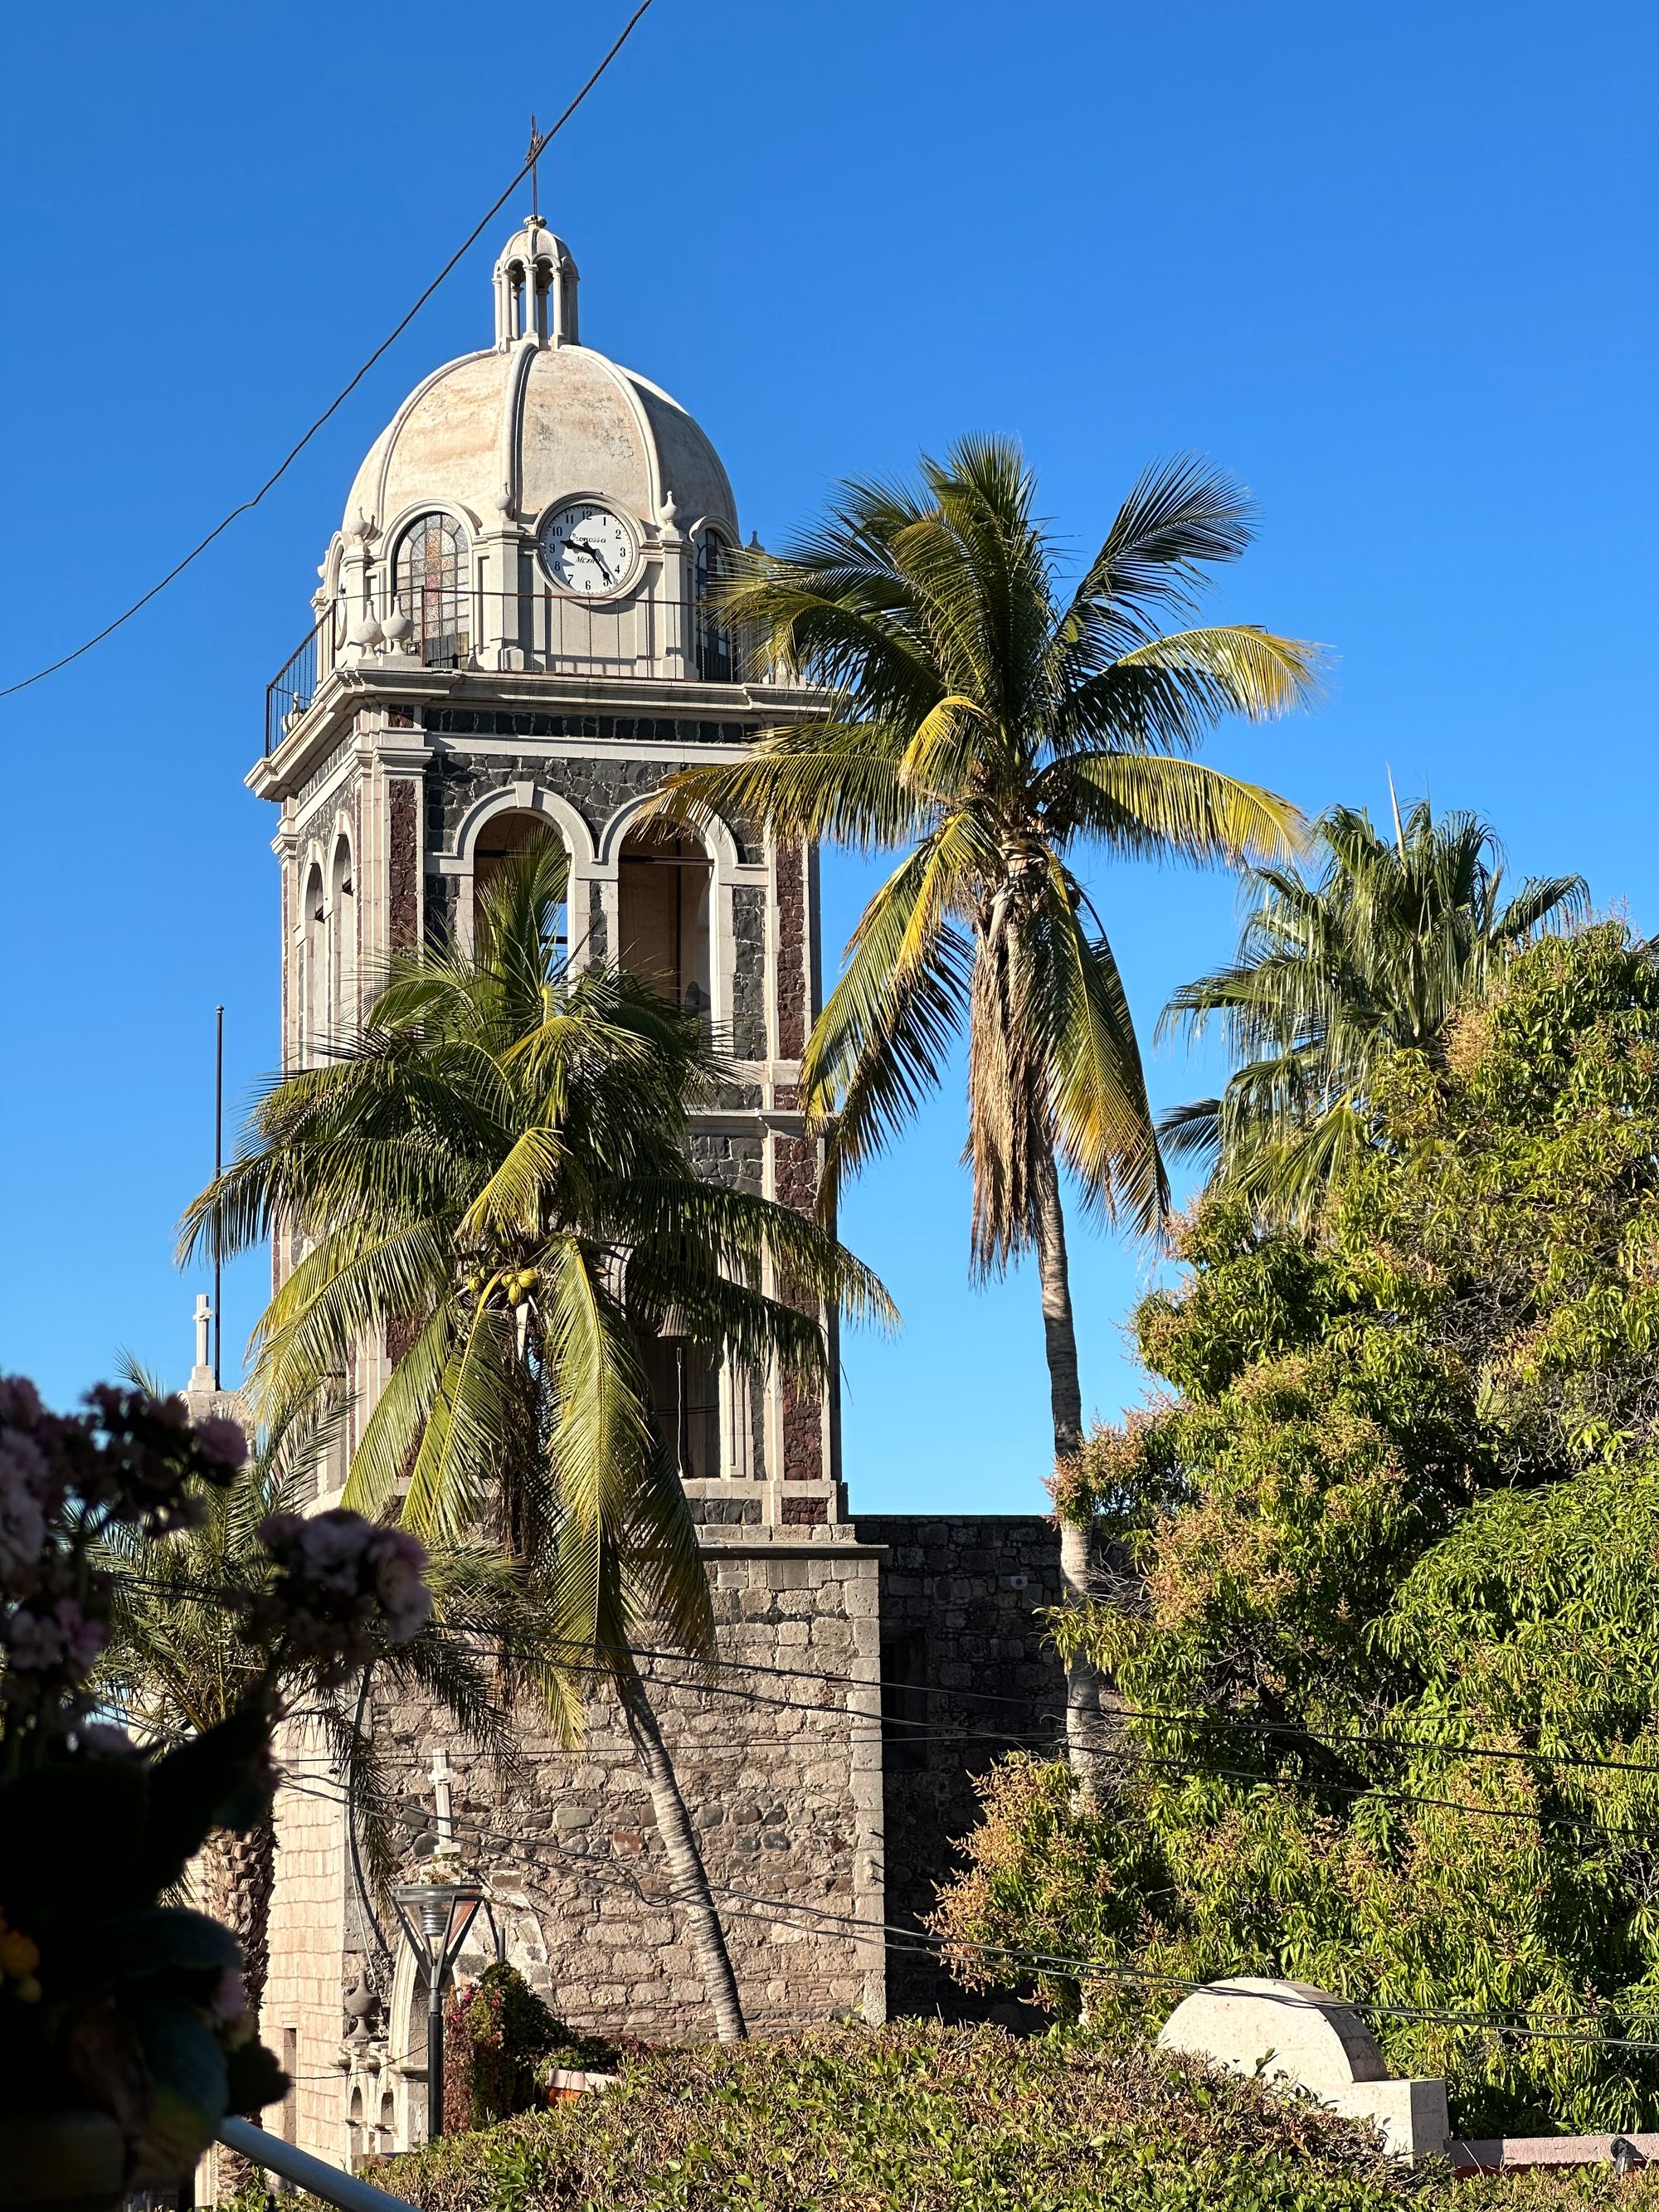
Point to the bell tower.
(513, 634)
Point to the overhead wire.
(539, 146)
(778, 1911)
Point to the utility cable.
(539, 146)
(746, 1904)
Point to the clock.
(587, 548)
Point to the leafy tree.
(1391, 1596)
(1335, 971)
(991, 727)
(494, 1180)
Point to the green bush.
(500, 2045)
(921, 2119)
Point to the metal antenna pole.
(218, 1168)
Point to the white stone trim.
(522, 797)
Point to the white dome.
(537, 418)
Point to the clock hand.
(581, 545)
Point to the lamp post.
(436, 1917)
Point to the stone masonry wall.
(959, 1594)
(784, 1785)
(307, 1920)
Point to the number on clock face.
(585, 548)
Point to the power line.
(746, 1904)
(539, 146)
(702, 1664)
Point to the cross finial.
(535, 185)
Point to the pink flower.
(222, 1440)
(332, 1546)
(22, 1464)
(22, 1531)
(83, 1635)
(35, 1642)
(20, 1401)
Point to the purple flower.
(20, 1401)
(84, 1637)
(35, 1642)
(222, 1441)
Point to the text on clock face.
(585, 548)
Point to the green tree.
(494, 1180)
(1391, 1596)
(991, 727)
(1335, 971)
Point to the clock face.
(584, 548)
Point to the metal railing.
(543, 631)
(314, 2175)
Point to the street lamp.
(436, 1917)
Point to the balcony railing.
(549, 633)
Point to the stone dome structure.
(521, 480)
(538, 418)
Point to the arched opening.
(502, 839)
(717, 656)
(431, 587)
(662, 902)
(342, 940)
(313, 966)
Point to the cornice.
(346, 691)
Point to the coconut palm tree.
(992, 727)
(1334, 969)
(493, 1178)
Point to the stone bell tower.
(512, 635)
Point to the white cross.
(445, 1820)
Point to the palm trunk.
(239, 1877)
(688, 1881)
(1083, 1682)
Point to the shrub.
(500, 2045)
(920, 2117)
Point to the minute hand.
(581, 545)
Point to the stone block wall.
(301, 2009)
(959, 1597)
(781, 1773)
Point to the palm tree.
(493, 1178)
(1333, 971)
(178, 1661)
(989, 725)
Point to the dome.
(505, 432)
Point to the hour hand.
(581, 545)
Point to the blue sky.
(1393, 266)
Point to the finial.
(535, 184)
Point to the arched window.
(431, 588)
(313, 967)
(717, 659)
(342, 942)
(663, 912)
(501, 839)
